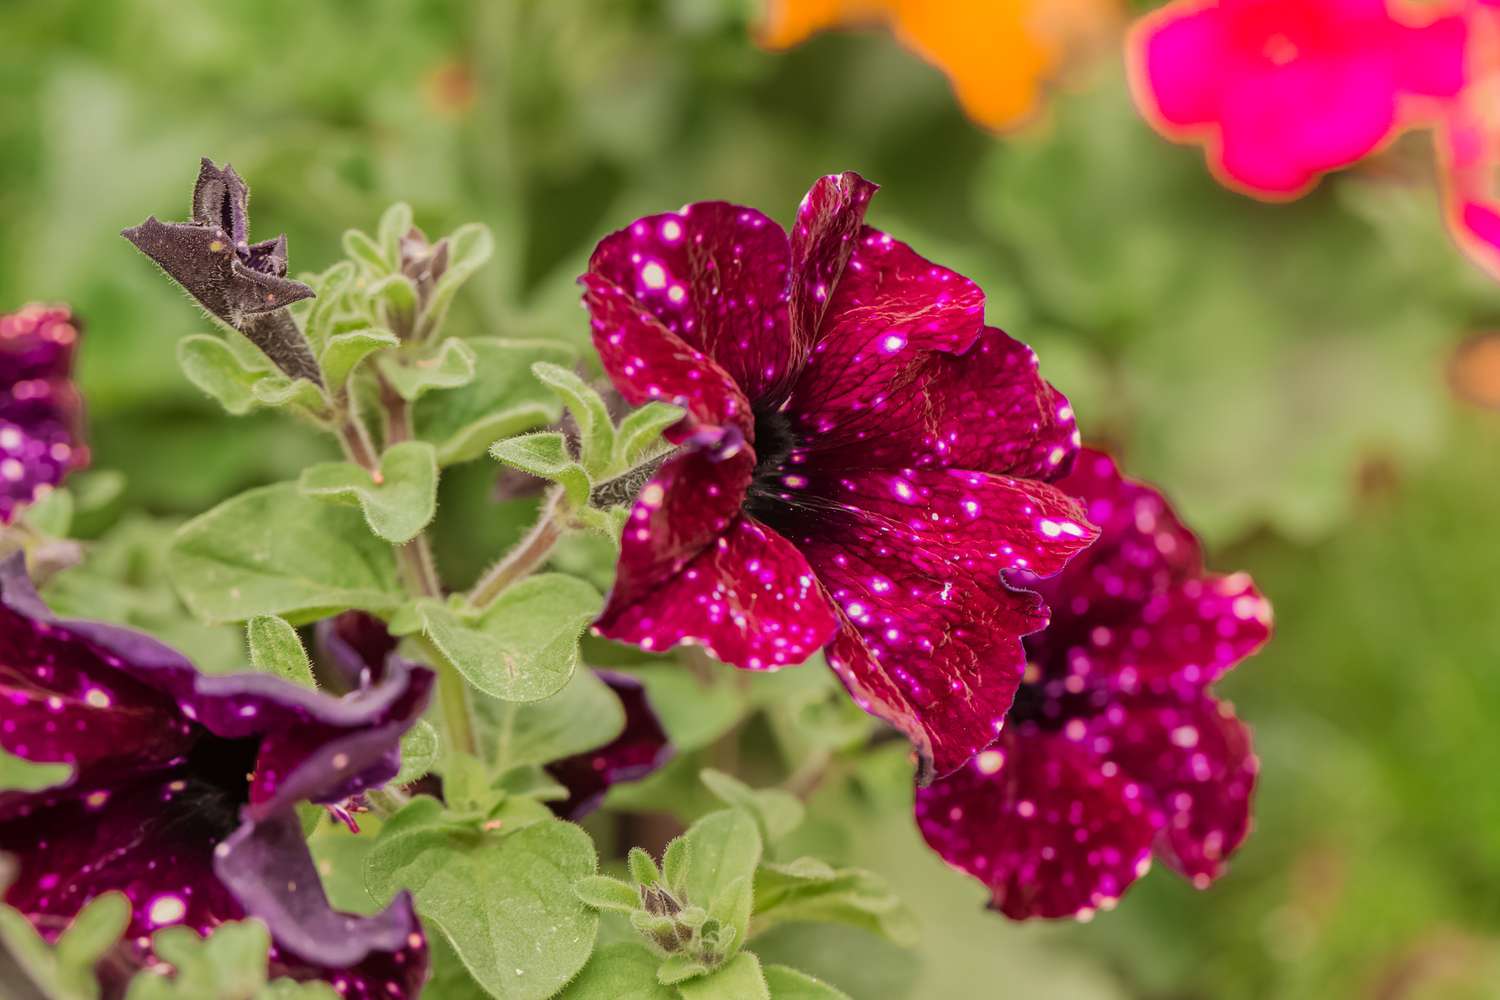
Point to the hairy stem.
(453, 700)
(528, 554)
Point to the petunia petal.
(718, 277)
(41, 414)
(641, 748)
(930, 638)
(646, 361)
(890, 310)
(1136, 609)
(267, 867)
(1179, 71)
(829, 221)
(1194, 759)
(355, 646)
(749, 598)
(1430, 57)
(1042, 823)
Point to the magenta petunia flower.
(41, 416)
(863, 458)
(641, 748)
(1114, 747)
(1283, 91)
(184, 792)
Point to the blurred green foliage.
(1278, 369)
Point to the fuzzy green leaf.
(211, 365)
(545, 455)
(36, 970)
(396, 296)
(642, 867)
(345, 351)
(740, 979)
(321, 320)
(469, 248)
(604, 893)
(504, 399)
(419, 751)
(273, 551)
(809, 891)
(583, 715)
(505, 903)
(776, 813)
(366, 253)
(276, 649)
(445, 366)
(395, 222)
(230, 964)
(397, 505)
(623, 971)
(52, 515)
(789, 984)
(596, 432)
(717, 869)
(639, 434)
(524, 647)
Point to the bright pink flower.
(1283, 91)
(863, 459)
(1469, 143)
(41, 416)
(1114, 747)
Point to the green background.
(1279, 370)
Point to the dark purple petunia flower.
(41, 416)
(1114, 747)
(184, 792)
(642, 747)
(864, 458)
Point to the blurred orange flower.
(998, 53)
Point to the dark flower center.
(215, 785)
(774, 444)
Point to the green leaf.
(273, 551)
(524, 647)
(397, 298)
(809, 891)
(639, 434)
(276, 649)
(20, 775)
(414, 374)
(276, 390)
(211, 365)
(229, 964)
(740, 979)
(64, 971)
(366, 253)
(398, 503)
(52, 515)
(320, 322)
(504, 399)
(642, 867)
(505, 903)
(469, 247)
(789, 984)
(419, 751)
(596, 432)
(345, 351)
(622, 971)
(583, 715)
(776, 813)
(395, 222)
(604, 893)
(679, 968)
(545, 455)
(716, 871)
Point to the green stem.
(453, 700)
(527, 555)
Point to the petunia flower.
(1114, 749)
(998, 54)
(1282, 91)
(641, 748)
(41, 415)
(184, 791)
(1469, 143)
(358, 646)
(242, 284)
(863, 458)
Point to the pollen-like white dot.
(654, 276)
(990, 762)
(97, 698)
(166, 910)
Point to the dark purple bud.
(243, 285)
